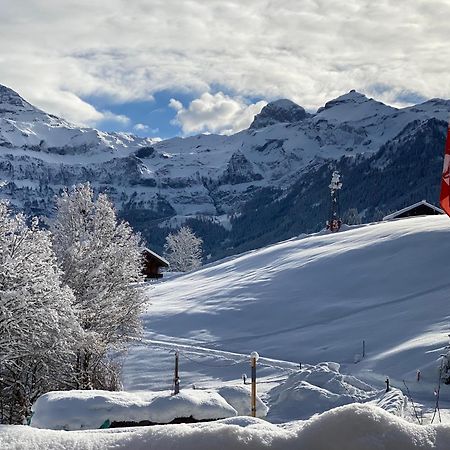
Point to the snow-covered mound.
(239, 398)
(319, 388)
(351, 427)
(317, 298)
(315, 389)
(78, 410)
(394, 402)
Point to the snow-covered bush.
(183, 250)
(38, 329)
(101, 260)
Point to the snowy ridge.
(24, 126)
(204, 175)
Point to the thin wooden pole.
(176, 378)
(253, 358)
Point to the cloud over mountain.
(59, 54)
(216, 113)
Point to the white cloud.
(141, 127)
(71, 107)
(56, 53)
(145, 130)
(175, 104)
(216, 113)
(119, 118)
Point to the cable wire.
(234, 363)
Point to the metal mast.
(334, 224)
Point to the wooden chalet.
(152, 264)
(422, 208)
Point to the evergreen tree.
(351, 217)
(183, 250)
(101, 260)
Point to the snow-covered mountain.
(279, 166)
(22, 126)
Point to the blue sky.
(118, 65)
(154, 114)
(155, 117)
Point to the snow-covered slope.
(316, 299)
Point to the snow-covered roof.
(76, 410)
(408, 208)
(160, 258)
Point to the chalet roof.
(161, 260)
(395, 214)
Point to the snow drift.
(351, 427)
(239, 398)
(315, 389)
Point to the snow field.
(385, 283)
(306, 301)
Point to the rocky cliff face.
(222, 185)
(279, 111)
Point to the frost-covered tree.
(378, 215)
(183, 250)
(101, 260)
(351, 217)
(38, 328)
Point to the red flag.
(445, 183)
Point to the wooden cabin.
(422, 208)
(152, 264)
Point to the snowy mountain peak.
(25, 127)
(353, 106)
(279, 111)
(12, 102)
(352, 97)
(284, 103)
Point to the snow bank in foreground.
(315, 389)
(75, 410)
(351, 427)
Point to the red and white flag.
(445, 183)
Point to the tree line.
(69, 298)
